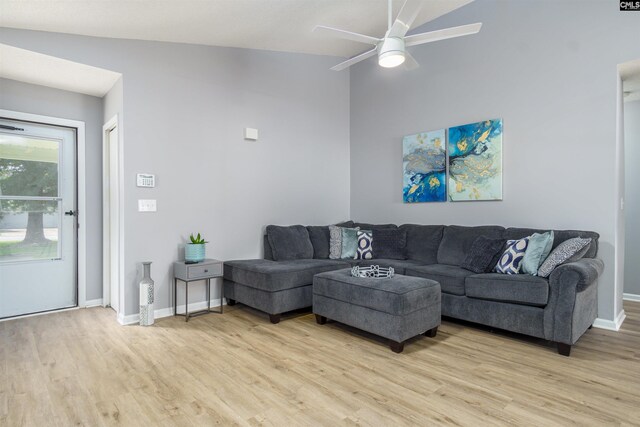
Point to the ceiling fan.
(391, 49)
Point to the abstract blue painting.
(475, 161)
(424, 163)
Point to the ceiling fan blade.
(410, 62)
(405, 18)
(348, 35)
(447, 33)
(349, 62)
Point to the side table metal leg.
(175, 296)
(222, 297)
(208, 294)
(186, 301)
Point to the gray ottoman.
(397, 308)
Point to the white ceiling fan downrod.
(391, 50)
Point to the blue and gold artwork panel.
(424, 167)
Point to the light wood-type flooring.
(82, 368)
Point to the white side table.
(205, 270)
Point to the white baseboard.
(611, 325)
(631, 297)
(168, 311)
(93, 303)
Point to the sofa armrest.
(573, 300)
(581, 273)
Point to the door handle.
(71, 213)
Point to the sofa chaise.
(559, 308)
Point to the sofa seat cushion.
(278, 275)
(399, 265)
(515, 288)
(398, 295)
(450, 277)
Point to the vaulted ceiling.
(281, 25)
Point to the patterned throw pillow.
(567, 251)
(365, 241)
(335, 242)
(509, 262)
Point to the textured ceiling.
(282, 25)
(26, 66)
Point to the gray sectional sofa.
(559, 308)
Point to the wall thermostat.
(146, 180)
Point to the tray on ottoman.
(395, 308)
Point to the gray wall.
(28, 98)
(185, 108)
(632, 196)
(548, 69)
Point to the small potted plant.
(195, 250)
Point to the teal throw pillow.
(537, 251)
(349, 243)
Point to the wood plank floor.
(82, 368)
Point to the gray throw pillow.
(483, 255)
(320, 238)
(335, 242)
(390, 243)
(568, 251)
(289, 243)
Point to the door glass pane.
(28, 166)
(29, 229)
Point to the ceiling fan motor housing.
(391, 52)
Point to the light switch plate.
(251, 134)
(147, 206)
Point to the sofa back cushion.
(457, 240)
(423, 242)
(367, 226)
(559, 237)
(319, 236)
(289, 243)
(268, 253)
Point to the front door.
(38, 218)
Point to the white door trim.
(111, 124)
(619, 217)
(81, 171)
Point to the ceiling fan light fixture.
(391, 52)
(391, 59)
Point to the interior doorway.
(630, 74)
(38, 217)
(112, 217)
